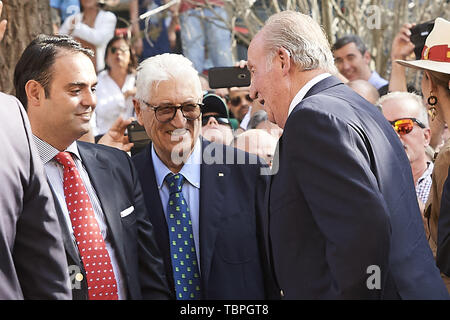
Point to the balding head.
(365, 89)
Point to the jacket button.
(79, 277)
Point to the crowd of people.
(294, 187)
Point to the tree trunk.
(26, 20)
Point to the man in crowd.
(406, 112)
(365, 90)
(336, 226)
(216, 126)
(106, 232)
(206, 200)
(352, 60)
(240, 104)
(33, 264)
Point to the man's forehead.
(74, 67)
(349, 48)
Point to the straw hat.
(436, 52)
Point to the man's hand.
(402, 46)
(2, 23)
(115, 137)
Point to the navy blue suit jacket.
(343, 201)
(232, 251)
(115, 181)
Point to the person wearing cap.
(216, 126)
(435, 64)
(203, 197)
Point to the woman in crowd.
(93, 27)
(116, 85)
(435, 63)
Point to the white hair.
(302, 37)
(423, 113)
(161, 68)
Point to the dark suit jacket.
(233, 262)
(342, 201)
(33, 263)
(115, 181)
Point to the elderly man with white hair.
(207, 208)
(344, 222)
(409, 118)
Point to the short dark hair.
(37, 60)
(350, 38)
(133, 60)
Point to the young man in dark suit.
(344, 222)
(107, 236)
(204, 199)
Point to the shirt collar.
(190, 170)
(304, 90)
(427, 172)
(47, 152)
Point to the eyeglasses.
(220, 120)
(191, 111)
(405, 125)
(236, 101)
(114, 49)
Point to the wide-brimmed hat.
(436, 52)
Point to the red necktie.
(99, 273)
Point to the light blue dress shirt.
(191, 187)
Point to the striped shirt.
(55, 175)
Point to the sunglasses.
(219, 120)
(405, 125)
(115, 49)
(236, 101)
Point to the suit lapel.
(69, 244)
(213, 184)
(154, 206)
(100, 177)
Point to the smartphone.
(419, 34)
(227, 77)
(137, 135)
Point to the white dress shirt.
(304, 90)
(55, 176)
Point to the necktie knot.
(65, 158)
(175, 182)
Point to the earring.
(432, 113)
(432, 100)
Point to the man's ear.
(367, 57)
(285, 58)
(35, 93)
(427, 136)
(137, 109)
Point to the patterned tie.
(99, 273)
(184, 259)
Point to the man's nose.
(212, 122)
(89, 99)
(179, 120)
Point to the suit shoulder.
(105, 150)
